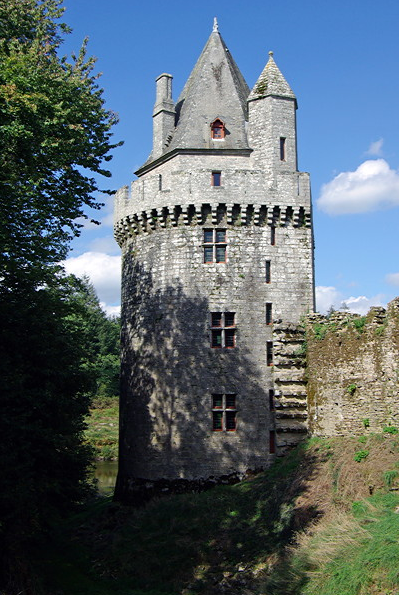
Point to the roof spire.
(215, 25)
(271, 53)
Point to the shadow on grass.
(230, 539)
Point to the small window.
(223, 330)
(269, 353)
(160, 182)
(269, 313)
(273, 235)
(282, 148)
(271, 399)
(216, 178)
(268, 271)
(217, 130)
(214, 245)
(224, 413)
(272, 441)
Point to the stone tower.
(217, 258)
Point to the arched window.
(217, 129)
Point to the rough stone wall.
(353, 372)
(169, 369)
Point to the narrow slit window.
(273, 235)
(272, 441)
(223, 330)
(269, 315)
(269, 353)
(216, 178)
(282, 148)
(268, 271)
(215, 245)
(160, 182)
(224, 413)
(271, 399)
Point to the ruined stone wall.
(353, 371)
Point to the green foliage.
(351, 389)
(360, 455)
(362, 439)
(366, 422)
(389, 477)
(55, 136)
(102, 430)
(302, 349)
(390, 429)
(54, 132)
(359, 323)
(320, 330)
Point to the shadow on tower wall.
(169, 372)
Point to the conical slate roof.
(214, 89)
(271, 82)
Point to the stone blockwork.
(245, 186)
(353, 371)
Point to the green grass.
(102, 432)
(246, 537)
(367, 561)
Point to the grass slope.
(102, 430)
(319, 521)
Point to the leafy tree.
(55, 136)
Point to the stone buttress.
(217, 270)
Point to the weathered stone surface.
(169, 369)
(353, 373)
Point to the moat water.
(105, 472)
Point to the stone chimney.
(163, 114)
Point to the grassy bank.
(322, 520)
(102, 429)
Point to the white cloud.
(104, 272)
(105, 244)
(392, 278)
(327, 296)
(111, 310)
(375, 148)
(371, 187)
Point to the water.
(105, 472)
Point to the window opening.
(217, 130)
(268, 271)
(223, 330)
(215, 245)
(224, 413)
(273, 235)
(216, 178)
(272, 441)
(269, 353)
(160, 182)
(271, 399)
(282, 148)
(268, 313)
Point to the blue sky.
(341, 59)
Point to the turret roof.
(214, 89)
(271, 82)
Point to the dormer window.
(217, 130)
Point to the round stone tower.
(217, 258)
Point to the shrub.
(360, 455)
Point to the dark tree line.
(55, 135)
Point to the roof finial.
(271, 54)
(215, 25)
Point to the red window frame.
(224, 415)
(215, 246)
(223, 330)
(217, 130)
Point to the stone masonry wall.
(353, 371)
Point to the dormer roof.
(271, 82)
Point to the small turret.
(272, 122)
(163, 114)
